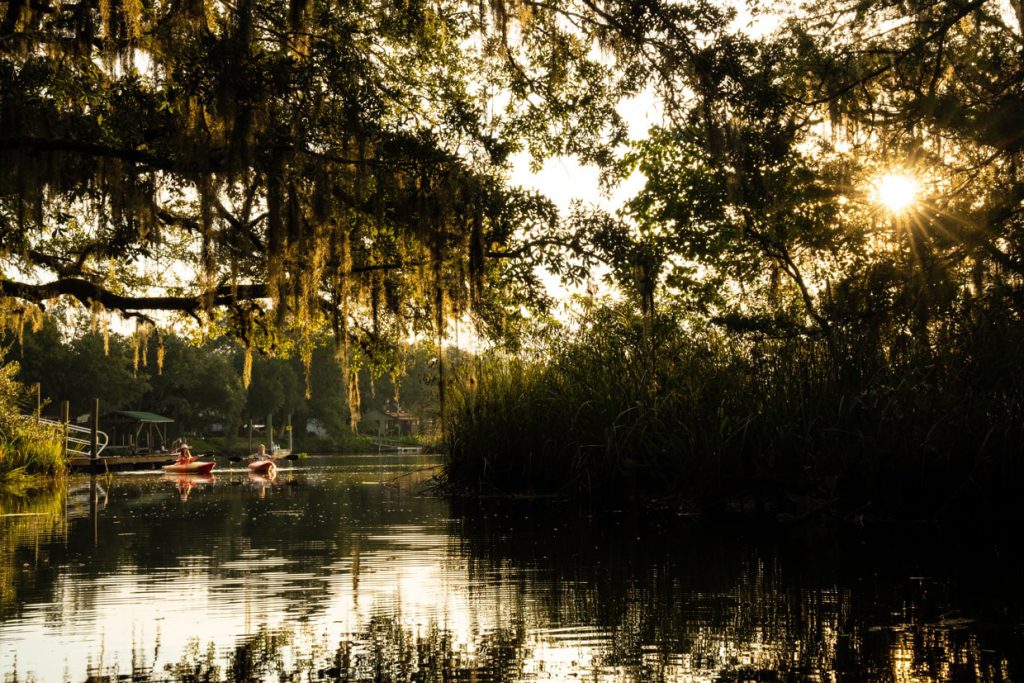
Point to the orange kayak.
(266, 467)
(193, 467)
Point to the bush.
(27, 449)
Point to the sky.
(564, 179)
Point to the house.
(392, 421)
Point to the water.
(341, 570)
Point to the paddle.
(238, 458)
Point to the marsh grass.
(30, 450)
(30, 453)
(795, 426)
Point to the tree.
(276, 389)
(739, 193)
(297, 163)
(759, 210)
(327, 401)
(90, 365)
(197, 386)
(936, 88)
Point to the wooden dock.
(384, 447)
(110, 463)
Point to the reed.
(29, 452)
(628, 408)
(32, 450)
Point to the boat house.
(136, 431)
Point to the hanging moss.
(15, 317)
(135, 353)
(354, 400)
(160, 352)
(142, 333)
(247, 367)
(266, 159)
(208, 272)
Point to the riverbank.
(655, 411)
(31, 456)
(31, 453)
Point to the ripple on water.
(325, 578)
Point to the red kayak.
(264, 467)
(191, 467)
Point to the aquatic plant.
(623, 408)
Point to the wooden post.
(95, 429)
(270, 433)
(93, 511)
(65, 419)
(289, 430)
(250, 432)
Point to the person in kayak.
(184, 454)
(261, 453)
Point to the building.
(392, 421)
(136, 431)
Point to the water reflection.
(25, 521)
(184, 483)
(338, 570)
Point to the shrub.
(27, 449)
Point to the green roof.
(143, 416)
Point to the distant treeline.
(861, 424)
(200, 385)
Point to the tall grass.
(624, 408)
(29, 452)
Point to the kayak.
(193, 467)
(266, 467)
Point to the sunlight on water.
(340, 570)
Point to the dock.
(110, 463)
(384, 447)
(81, 443)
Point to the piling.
(94, 453)
(65, 419)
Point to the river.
(348, 568)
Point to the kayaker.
(261, 453)
(184, 454)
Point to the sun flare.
(896, 191)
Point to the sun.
(896, 191)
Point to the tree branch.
(33, 143)
(88, 293)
